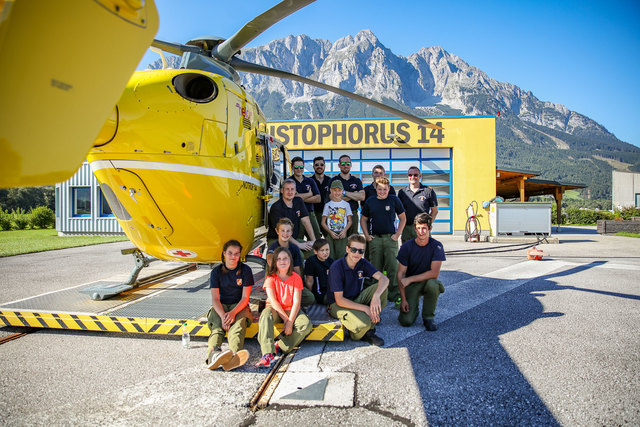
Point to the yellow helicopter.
(184, 159)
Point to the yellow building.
(458, 162)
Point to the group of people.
(354, 286)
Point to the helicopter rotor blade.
(175, 48)
(241, 65)
(252, 29)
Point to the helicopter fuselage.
(182, 165)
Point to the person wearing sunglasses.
(353, 190)
(358, 308)
(307, 190)
(379, 227)
(323, 182)
(416, 198)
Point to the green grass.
(16, 242)
(572, 195)
(625, 234)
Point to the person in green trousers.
(284, 295)
(379, 228)
(230, 284)
(419, 263)
(358, 308)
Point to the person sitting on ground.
(284, 292)
(336, 220)
(284, 229)
(316, 270)
(230, 284)
(419, 263)
(357, 309)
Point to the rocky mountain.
(531, 134)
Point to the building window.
(105, 209)
(81, 201)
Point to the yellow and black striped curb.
(141, 325)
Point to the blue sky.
(582, 54)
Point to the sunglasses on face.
(345, 163)
(318, 165)
(298, 167)
(356, 250)
(414, 174)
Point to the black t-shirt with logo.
(231, 284)
(382, 214)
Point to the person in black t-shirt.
(370, 190)
(316, 270)
(230, 284)
(323, 182)
(417, 198)
(292, 207)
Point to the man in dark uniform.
(353, 190)
(357, 309)
(419, 263)
(379, 228)
(417, 198)
(323, 182)
(307, 190)
(292, 207)
(370, 190)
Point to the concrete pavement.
(519, 342)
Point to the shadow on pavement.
(464, 374)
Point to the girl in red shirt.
(284, 292)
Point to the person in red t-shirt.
(284, 293)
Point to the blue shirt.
(346, 280)
(382, 214)
(231, 284)
(417, 258)
(295, 252)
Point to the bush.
(5, 220)
(20, 219)
(586, 216)
(42, 217)
(627, 213)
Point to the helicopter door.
(134, 196)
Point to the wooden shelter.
(519, 184)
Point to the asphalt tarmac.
(551, 342)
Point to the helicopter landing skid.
(105, 290)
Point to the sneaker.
(371, 338)
(398, 302)
(278, 349)
(218, 358)
(238, 359)
(430, 325)
(266, 361)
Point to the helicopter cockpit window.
(195, 87)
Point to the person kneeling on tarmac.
(419, 263)
(357, 308)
